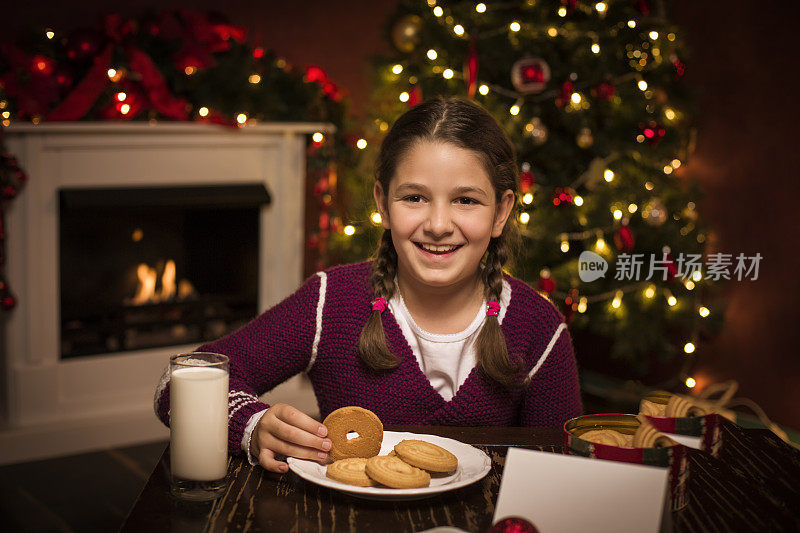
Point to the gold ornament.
(406, 33)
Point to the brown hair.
(469, 126)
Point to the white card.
(566, 493)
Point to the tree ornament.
(652, 131)
(414, 96)
(526, 178)
(8, 302)
(570, 5)
(406, 33)
(565, 93)
(584, 139)
(680, 68)
(643, 6)
(530, 75)
(604, 91)
(546, 283)
(471, 69)
(513, 524)
(537, 131)
(623, 239)
(654, 212)
(570, 304)
(564, 196)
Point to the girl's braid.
(384, 268)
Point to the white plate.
(473, 465)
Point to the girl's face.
(442, 210)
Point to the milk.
(199, 423)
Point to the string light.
(403, 96)
(649, 185)
(189, 70)
(642, 85)
(671, 36)
(480, 8)
(361, 144)
(376, 218)
(578, 200)
(653, 35)
(697, 275)
(241, 118)
(690, 382)
(668, 170)
(514, 109)
(438, 11)
(317, 137)
(631, 24)
(600, 244)
(676, 163)
(703, 311)
(349, 230)
(124, 109)
(671, 300)
(458, 29)
(447, 74)
(397, 69)
(601, 7)
(552, 31)
(688, 347)
(527, 198)
(582, 304)
(514, 26)
(608, 175)
(524, 218)
(617, 214)
(576, 98)
(483, 89)
(632, 208)
(669, 113)
(562, 11)
(121, 96)
(617, 301)
(254, 79)
(596, 48)
(689, 285)
(203, 111)
(49, 33)
(564, 245)
(650, 291)
(432, 54)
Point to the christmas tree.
(592, 97)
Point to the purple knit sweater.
(285, 341)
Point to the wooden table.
(262, 501)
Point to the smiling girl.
(432, 331)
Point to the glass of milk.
(198, 424)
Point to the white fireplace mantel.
(54, 406)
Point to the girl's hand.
(284, 430)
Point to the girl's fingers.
(295, 435)
(267, 460)
(292, 450)
(297, 418)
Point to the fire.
(149, 291)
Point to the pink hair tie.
(378, 304)
(492, 308)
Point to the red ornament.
(564, 196)
(680, 68)
(258, 52)
(8, 302)
(513, 524)
(623, 239)
(471, 69)
(545, 283)
(414, 96)
(653, 132)
(315, 73)
(526, 181)
(604, 91)
(530, 75)
(565, 94)
(84, 44)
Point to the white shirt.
(445, 359)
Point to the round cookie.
(605, 436)
(350, 471)
(393, 472)
(352, 418)
(425, 455)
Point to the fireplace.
(164, 266)
(129, 243)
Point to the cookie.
(646, 407)
(680, 407)
(425, 455)
(362, 421)
(608, 437)
(350, 471)
(395, 473)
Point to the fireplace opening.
(153, 267)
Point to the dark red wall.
(744, 68)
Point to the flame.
(146, 290)
(148, 278)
